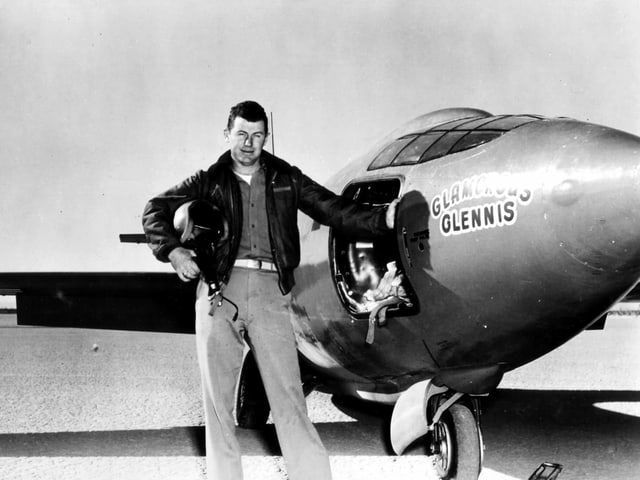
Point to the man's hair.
(249, 110)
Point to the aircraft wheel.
(456, 445)
(252, 405)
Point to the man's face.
(246, 140)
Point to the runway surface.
(79, 404)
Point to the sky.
(106, 104)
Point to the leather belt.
(255, 264)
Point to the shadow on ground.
(521, 428)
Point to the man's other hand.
(391, 213)
(182, 261)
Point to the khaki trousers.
(264, 321)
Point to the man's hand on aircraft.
(182, 261)
(391, 213)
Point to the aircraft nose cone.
(593, 198)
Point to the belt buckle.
(256, 264)
(267, 266)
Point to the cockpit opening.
(368, 273)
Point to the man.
(259, 195)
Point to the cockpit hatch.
(368, 272)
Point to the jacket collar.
(268, 161)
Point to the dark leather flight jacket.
(288, 190)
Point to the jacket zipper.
(270, 206)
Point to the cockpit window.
(387, 155)
(411, 153)
(443, 146)
(473, 139)
(448, 138)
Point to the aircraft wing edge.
(136, 301)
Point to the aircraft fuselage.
(511, 247)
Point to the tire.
(252, 405)
(457, 444)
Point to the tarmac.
(100, 404)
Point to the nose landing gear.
(455, 444)
(447, 424)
